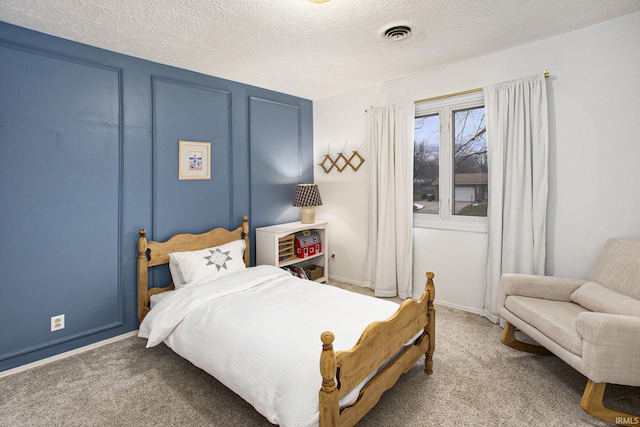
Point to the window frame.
(445, 219)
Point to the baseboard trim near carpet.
(66, 354)
(437, 301)
(456, 306)
(347, 281)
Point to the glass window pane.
(470, 177)
(426, 159)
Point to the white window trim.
(445, 220)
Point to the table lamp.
(307, 196)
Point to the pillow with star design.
(195, 267)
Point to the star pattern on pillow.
(218, 258)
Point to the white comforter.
(258, 332)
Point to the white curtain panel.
(389, 262)
(518, 140)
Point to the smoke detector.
(397, 32)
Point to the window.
(450, 179)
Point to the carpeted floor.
(477, 381)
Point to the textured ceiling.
(306, 49)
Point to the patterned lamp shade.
(307, 195)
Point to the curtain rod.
(464, 92)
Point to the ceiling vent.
(397, 33)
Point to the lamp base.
(308, 215)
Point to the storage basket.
(286, 249)
(314, 271)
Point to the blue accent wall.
(89, 155)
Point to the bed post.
(431, 327)
(245, 237)
(328, 397)
(143, 276)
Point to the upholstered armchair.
(593, 325)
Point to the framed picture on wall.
(194, 160)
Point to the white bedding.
(153, 300)
(258, 332)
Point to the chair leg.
(592, 404)
(509, 339)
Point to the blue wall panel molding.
(88, 156)
(61, 146)
(185, 111)
(277, 160)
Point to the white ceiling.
(306, 49)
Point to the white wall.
(339, 124)
(594, 175)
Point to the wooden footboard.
(344, 370)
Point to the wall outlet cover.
(57, 322)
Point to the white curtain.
(518, 139)
(389, 263)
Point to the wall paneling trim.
(61, 148)
(89, 155)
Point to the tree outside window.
(450, 174)
(470, 177)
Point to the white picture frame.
(194, 160)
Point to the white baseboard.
(458, 307)
(438, 302)
(66, 354)
(350, 282)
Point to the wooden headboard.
(151, 254)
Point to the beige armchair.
(593, 325)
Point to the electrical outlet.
(332, 258)
(57, 322)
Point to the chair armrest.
(545, 287)
(611, 349)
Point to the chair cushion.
(618, 267)
(555, 319)
(597, 298)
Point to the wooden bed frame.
(152, 254)
(341, 371)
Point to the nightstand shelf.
(272, 244)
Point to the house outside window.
(450, 171)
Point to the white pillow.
(195, 267)
(596, 297)
(178, 281)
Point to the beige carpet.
(477, 381)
